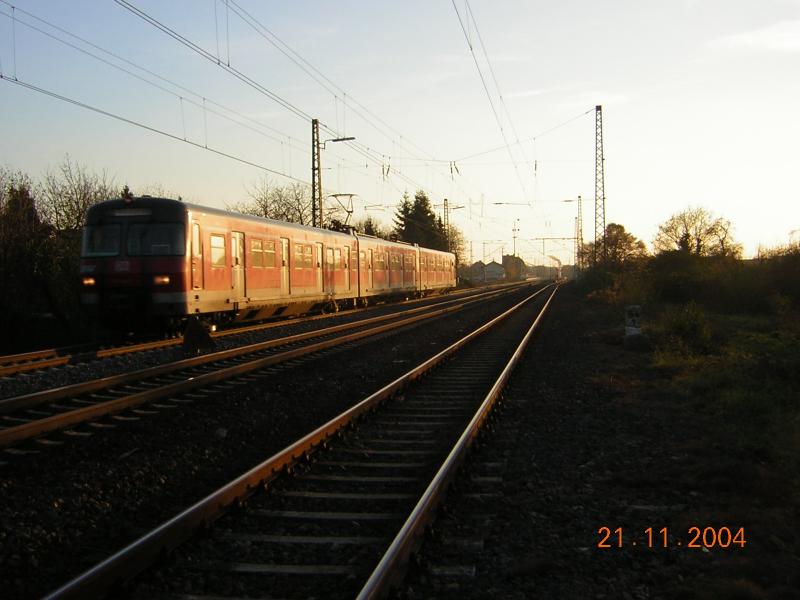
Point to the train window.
(269, 254)
(101, 240)
(380, 261)
(197, 248)
(257, 253)
(394, 262)
(298, 256)
(217, 250)
(308, 257)
(337, 260)
(156, 239)
(409, 262)
(353, 259)
(362, 260)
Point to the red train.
(155, 261)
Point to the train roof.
(167, 208)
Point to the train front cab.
(134, 262)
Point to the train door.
(237, 265)
(197, 257)
(329, 270)
(346, 267)
(369, 271)
(285, 283)
(318, 267)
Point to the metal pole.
(599, 188)
(316, 175)
(447, 223)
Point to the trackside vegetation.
(723, 337)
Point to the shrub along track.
(94, 495)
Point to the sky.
(490, 104)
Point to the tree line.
(695, 259)
(40, 238)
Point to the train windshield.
(156, 239)
(101, 240)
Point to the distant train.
(152, 262)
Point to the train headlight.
(161, 280)
(89, 281)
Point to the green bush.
(686, 329)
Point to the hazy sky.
(699, 105)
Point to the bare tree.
(291, 203)
(458, 244)
(158, 190)
(67, 193)
(696, 231)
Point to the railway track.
(361, 490)
(31, 416)
(38, 360)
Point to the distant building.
(514, 267)
(479, 272)
(494, 272)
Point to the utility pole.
(316, 175)
(578, 233)
(446, 219)
(577, 251)
(317, 216)
(514, 232)
(447, 222)
(599, 188)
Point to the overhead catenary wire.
(496, 83)
(530, 139)
(146, 127)
(240, 119)
(491, 101)
(238, 74)
(372, 156)
(340, 95)
(210, 57)
(330, 86)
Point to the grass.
(743, 369)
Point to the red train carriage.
(154, 261)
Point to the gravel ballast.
(67, 507)
(587, 438)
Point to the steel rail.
(101, 579)
(19, 433)
(8, 405)
(13, 364)
(391, 566)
